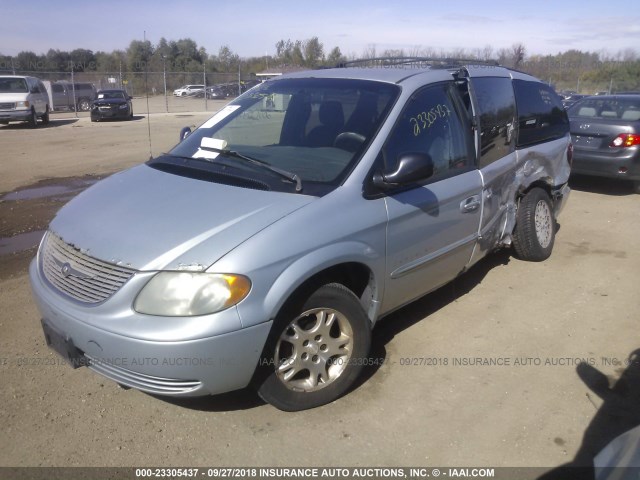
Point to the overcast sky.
(251, 28)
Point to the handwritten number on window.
(424, 120)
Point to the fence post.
(204, 77)
(73, 89)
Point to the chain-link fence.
(153, 92)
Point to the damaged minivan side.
(264, 247)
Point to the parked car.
(112, 104)
(263, 248)
(572, 99)
(606, 137)
(188, 90)
(23, 99)
(225, 90)
(72, 96)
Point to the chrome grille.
(7, 106)
(83, 278)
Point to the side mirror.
(184, 133)
(411, 168)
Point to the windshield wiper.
(292, 177)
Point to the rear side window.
(541, 116)
(497, 112)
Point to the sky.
(252, 28)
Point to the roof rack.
(416, 62)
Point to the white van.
(23, 99)
(188, 90)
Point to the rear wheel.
(535, 229)
(83, 105)
(316, 350)
(636, 186)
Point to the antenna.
(146, 93)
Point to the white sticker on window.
(221, 115)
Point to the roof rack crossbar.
(421, 62)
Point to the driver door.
(432, 227)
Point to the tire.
(45, 117)
(636, 186)
(535, 229)
(83, 105)
(315, 350)
(33, 119)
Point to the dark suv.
(72, 96)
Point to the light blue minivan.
(263, 248)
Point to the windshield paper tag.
(216, 143)
(221, 115)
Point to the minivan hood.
(13, 97)
(152, 220)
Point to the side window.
(541, 116)
(497, 111)
(33, 86)
(57, 88)
(431, 123)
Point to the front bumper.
(623, 165)
(110, 113)
(15, 115)
(194, 367)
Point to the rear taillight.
(625, 140)
(570, 154)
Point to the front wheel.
(33, 119)
(535, 229)
(45, 117)
(316, 350)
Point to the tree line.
(585, 72)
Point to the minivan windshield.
(13, 85)
(314, 128)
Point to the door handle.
(470, 204)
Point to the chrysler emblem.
(66, 270)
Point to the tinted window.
(57, 88)
(541, 116)
(431, 123)
(497, 111)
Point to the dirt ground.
(434, 401)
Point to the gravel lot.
(535, 406)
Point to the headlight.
(24, 104)
(123, 106)
(183, 294)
